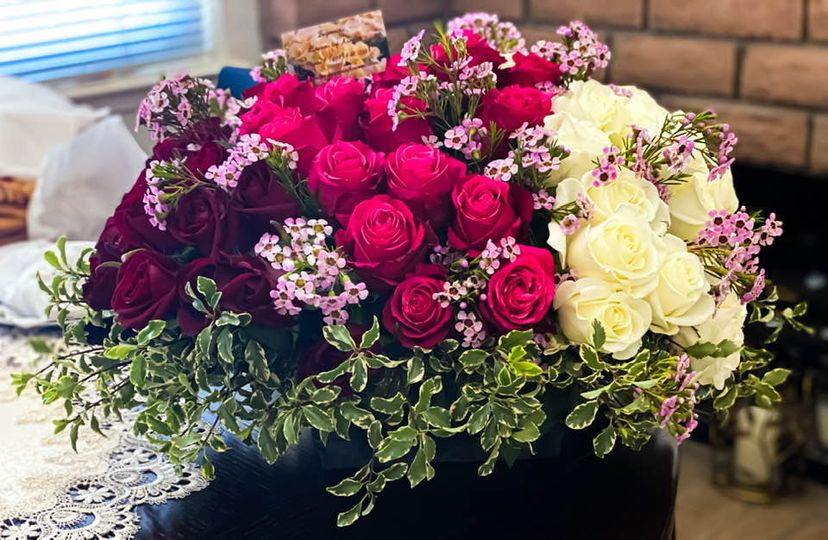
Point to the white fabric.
(34, 119)
(22, 303)
(82, 182)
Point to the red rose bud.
(511, 107)
(423, 177)
(487, 209)
(343, 175)
(520, 293)
(384, 241)
(412, 314)
(377, 127)
(529, 70)
(146, 289)
(344, 98)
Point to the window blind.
(51, 39)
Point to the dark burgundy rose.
(111, 243)
(323, 357)
(99, 286)
(199, 147)
(529, 70)
(134, 225)
(245, 283)
(344, 174)
(384, 241)
(392, 74)
(146, 289)
(412, 314)
(520, 293)
(344, 98)
(258, 199)
(377, 127)
(478, 48)
(510, 107)
(423, 177)
(487, 209)
(200, 219)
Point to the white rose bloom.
(645, 111)
(599, 105)
(625, 319)
(692, 201)
(582, 138)
(681, 298)
(622, 249)
(727, 324)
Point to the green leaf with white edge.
(437, 417)
(473, 358)
(388, 405)
(346, 488)
(208, 470)
(120, 351)
(604, 442)
(370, 337)
(415, 370)
(528, 434)
(594, 394)
(394, 471)
(225, 346)
(725, 399)
(515, 338)
(404, 433)
(152, 330)
(207, 287)
(318, 418)
(359, 375)
(138, 371)
(338, 336)
(327, 377)
(582, 415)
(391, 449)
(646, 385)
(590, 358)
(418, 470)
(775, 377)
(516, 354)
(479, 419)
(254, 354)
(348, 517)
(375, 434)
(233, 319)
(323, 396)
(599, 336)
(526, 369)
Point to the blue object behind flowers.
(235, 79)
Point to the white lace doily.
(47, 491)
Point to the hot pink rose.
(344, 174)
(377, 127)
(412, 314)
(304, 133)
(423, 177)
(392, 74)
(510, 107)
(478, 48)
(487, 209)
(529, 70)
(384, 241)
(520, 293)
(344, 98)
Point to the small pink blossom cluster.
(312, 274)
(534, 155)
(543, 200)
(507, 249)
(248, 150)
(274, 63)
(571, 222)
(154, 205)
(607, 169)
(411, 49)
(174, 104)
(501, 35)
(685, 396)
(678, 154)
(467, 138)
(580, 53)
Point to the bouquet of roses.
(432, 253)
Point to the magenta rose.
(423, 177)
(200, 219)
(258, 199)
(477, 47)
(529, 70)
(510, 107)
(487, 209)
(134, 225)
(412, 314)
(345, 174)
(391, 75)
(520, 293)
(302, 132)
(289, 91)
(146, 289)
(378, 130)
(384, 241)
(344, 98)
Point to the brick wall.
(762, 64)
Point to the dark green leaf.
(318, 418)
(138, 371)
(370, 336)
(346, 488)
(582, 415)
(599, 337)
(151, 331)
(604, 441)
(338, 336)
(415, 370)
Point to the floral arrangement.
(435, 252)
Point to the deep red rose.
(384, 241)
(198, 147)
(146, 289)
(111, 243)
(392, 74)
(510, 107)
(377, 126)
(344, 98)
(324, 357)
(423, 177)
(478, 48)
(344, 174)
(487, 209)
(200, 219)
(520, 293)
(99, 286)
(258, 199)
(529, 70)
(304, 133)
(412, 314)
(133, 224)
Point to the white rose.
(598, 104)
(692, 200)
(681, 298)
(622, 249)
(582, 138)
(727, 324)
(644, 111)
(625, 319)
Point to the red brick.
(508, 9)
(597, 12)
(819, 144)
(818, 19)
(408, 10)
(776, 19)
(786, 74)
(683, 65)
(767, 135)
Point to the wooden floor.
(705, 513)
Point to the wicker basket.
(15, 194)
